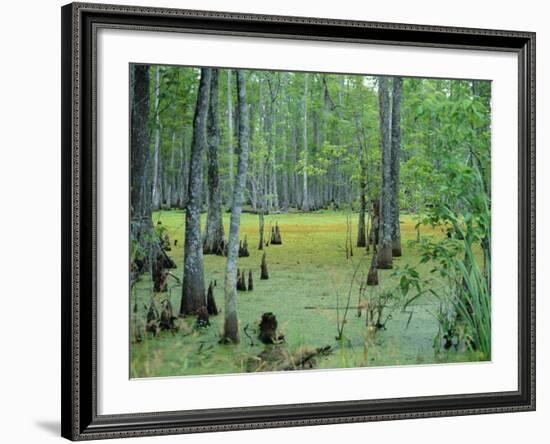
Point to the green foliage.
(444, 187)
(474, 307)
(465, 310)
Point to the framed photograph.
(276, 221)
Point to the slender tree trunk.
(274, 192)
(274, 110)
(385, 240)
(214, 240)
(230, 129)
(395, 167)
(168, 174)
(254, 192)
(184, 164)
(193, 268)
(140, 183)
(314, 181)
(151, 257)
(267, 167)
(361, 232)
(294, 182)
(231, 324)
(305, 200)
(284, 175)
(156, 160)
(261, 228)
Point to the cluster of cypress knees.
(165, 320)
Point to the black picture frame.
(79, 395)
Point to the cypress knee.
(239, 280)
(152, 312)
(211, 302)
(250, 281)
(203, 320)
(167, 316)
(152, 319)
(166, 243)
(243, 281)
(268, 329)
(160, 277)
(276, 235)
(245, 247)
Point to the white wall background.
(30, 220)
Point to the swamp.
(288, 221)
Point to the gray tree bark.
(268, 128)
(284, 173)
(361, 232)
(274, 191)
(156, 152)
(395, 163)
(231, 324)
(182, 186)
(141, 226)
(214, 240)
(272, 140)
(230, 129)
(150, 254)
(169, 174)
(385, 227)
(140, 193)
(296, 188)
(193, 296)
(305, 199)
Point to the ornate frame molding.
(79, 412)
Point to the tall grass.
(473, 302)
(472, 284)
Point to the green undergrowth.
(309, 278)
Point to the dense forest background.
(316, 129)
(390, 165)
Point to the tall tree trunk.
(140, 182)
(169, 175)
(192, 296)
(156, 153)
(261, 228)
(284, 175)
(231, 324)
(385, 227)
(150, 256)
(230, 129)
(254, 192)
(305, 200)
(361, 232)
(184, 164)
(297, 190)
(214, 240)
(268, 120)
(274, 192)
(395, 159)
